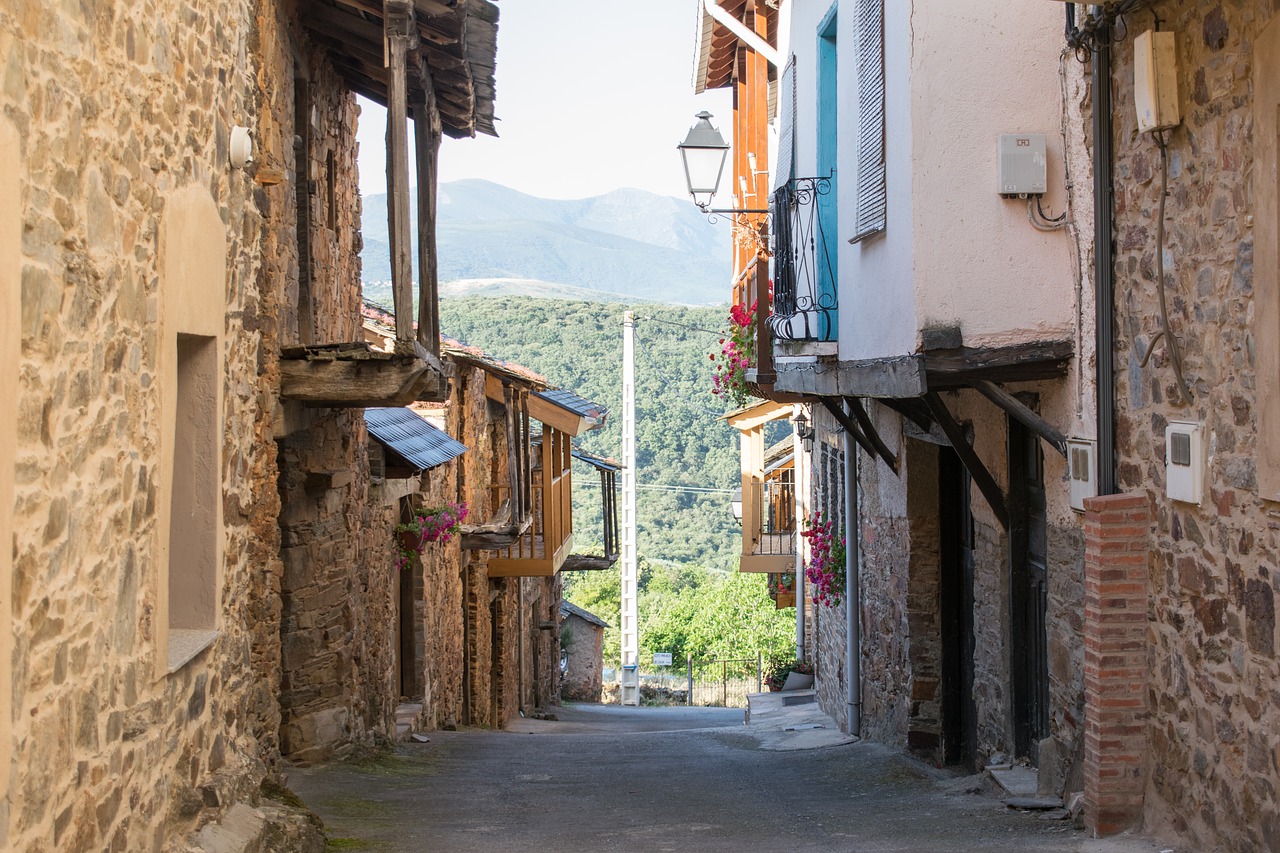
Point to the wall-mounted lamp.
(804, 431)
(736, 504)
(241, 147)
(703, 153)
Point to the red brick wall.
(1117, 534)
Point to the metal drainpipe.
(852, 585)
(1104, 269)
(800, 487)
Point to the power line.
(682, 325)
(654, 487)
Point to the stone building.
(1196, 375)
(1052, 450)
(179, 325)
(582, 638)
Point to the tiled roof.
(420, 443)
(570, 609)
(570, 401)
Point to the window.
(193, 511)
(869, 54)
(831, 484)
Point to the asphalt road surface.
(605, 778)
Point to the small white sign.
(662, 658)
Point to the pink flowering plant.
(825, 572)
(429, 525)
(737, 353)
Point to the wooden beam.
(398, 178)
(849, 426)
(913, 410)
(869, 430)
(1030, 362)
(426, 134)
(1023, 414)
(969, 458)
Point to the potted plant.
(826, 570)
(737, 354)
(780, 669)
(437, 524)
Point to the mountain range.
(626, 245)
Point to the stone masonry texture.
(1214, 693)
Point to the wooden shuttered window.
(785, 165)
(869, 54)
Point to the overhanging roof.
(456, 53)
(599, 462)
(411, 437)
(718, 47)
(568, 608)
(592, 414)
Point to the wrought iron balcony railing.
(804, 249)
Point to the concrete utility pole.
(629, 678)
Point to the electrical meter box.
(1023, 165)
(1184, 461)
(1155, 80)
(1082, 469)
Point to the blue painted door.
(825, 234)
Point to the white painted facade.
(953, 252)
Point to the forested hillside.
(692, 600)
(680, 442)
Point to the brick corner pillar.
(1117, 544)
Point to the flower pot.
(410, 540)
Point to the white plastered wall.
(979, 70)
(193, 274)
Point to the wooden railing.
(541, 550)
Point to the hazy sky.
(592, 95)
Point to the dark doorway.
(959, 715)
(407, 661)
(1029, 595)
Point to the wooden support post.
(972, 462)
(1023, 414)
(426, 136)
(869, 429)
(510, 399)
(396, 31)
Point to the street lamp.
(736, 503)
(703, 153)
(804, 431)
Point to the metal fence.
(705, 682)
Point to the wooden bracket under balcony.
(355, 375)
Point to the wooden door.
(959, 714)
(1029, 592)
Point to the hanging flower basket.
(826, 570)
(429, 525)
(737, 354)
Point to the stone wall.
(1214, 772)
(119, 108)
(441, 619)
(338, 686)
(586, 659)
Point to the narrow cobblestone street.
(657, 779)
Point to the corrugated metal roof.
(600, 462)
(568, 608)
(420, 443)
(571, 402)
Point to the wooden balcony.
(542, 550)
(768, 492)
(357, 375)
(433, 62)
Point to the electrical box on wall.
(1023, 166)
(1184, 461)
(1082, 470)
(1155, 80)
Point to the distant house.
(582, 639)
